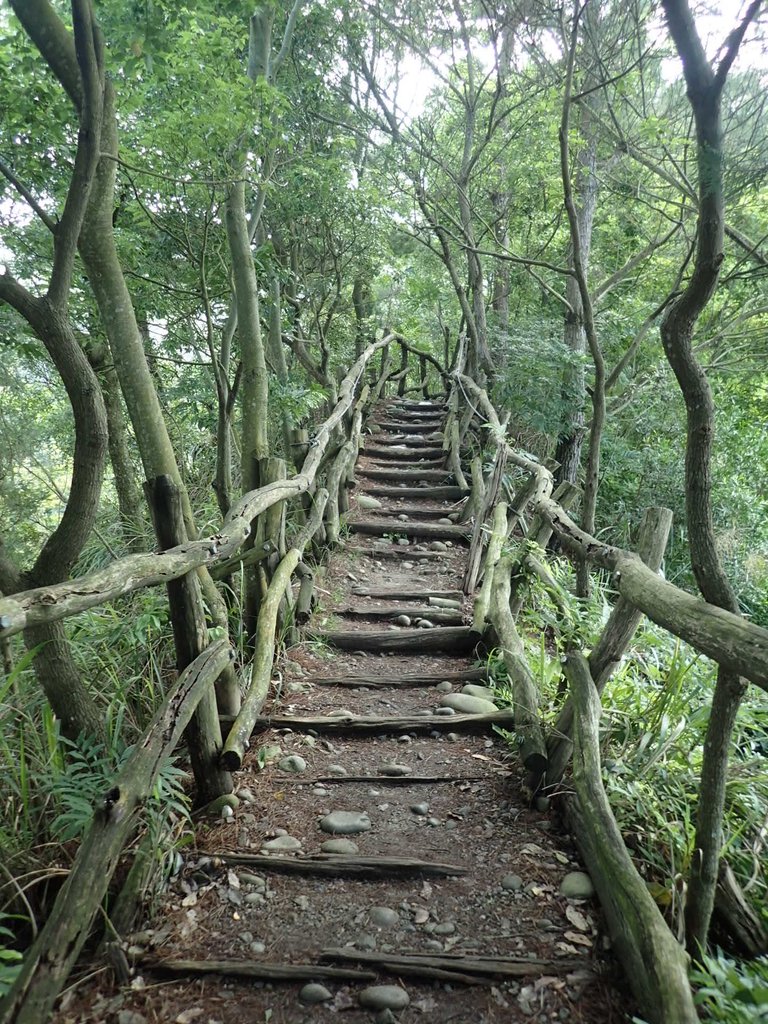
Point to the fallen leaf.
(426, 890)
(576, 918)
(579, 939)
(565, 950)
(190, 901)
(233, 880)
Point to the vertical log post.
(423, 376)
(190, 634)
(615, 638)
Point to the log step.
(412, 441)
(443, 493)
(390, 465)
(438, 616)
(406, 680)
(380, 724)
(258, 969)
(403, 453)
(417, 511)
(344, 865)
(414, 963)
(437, 531)
(406, 428)
(446, 640)
(386, 593)
(412, 475)
(397, 552)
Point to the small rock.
(474, 690)
(512, 883)
(407, 565)
(336, 769)
(281, 844)
(394, 770)
(467, 705)
(445, 521)
(577, 885)
(319, 791)
(434, 822)
(403, 518)
(257, 947)
(246, 878)
(438, 545)
(421, 809)
(367, 502)
(401, 620)
(444, 712)
(384, 997)
(425, 624)
(542, 804)
(131, 1017)
(314, 993)
(383, 917)
(246, 796)
(345, 822)
(403, 542)
(446, 928)
(444, 687)
(366, 942)
(294, 763)
(302, 902)
(253, 898)
(339, 846)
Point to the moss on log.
(655, 965)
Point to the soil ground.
(470, 811)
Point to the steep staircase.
(382, 860)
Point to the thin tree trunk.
(704, 90)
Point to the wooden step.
(414, 441)
(416, 511)
(436, 531)
(342, 865)
(412, 475)
(407, 464)
(404, 680)
(411, 428)
(375, 724)
(446, 640)
(388, 594)
(446, 493)
(402, 452)
(438, 616)
(393, 551)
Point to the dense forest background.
(194, 254)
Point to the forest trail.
(382, 836)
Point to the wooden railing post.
(190, 634)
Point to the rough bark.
(704, 90)
(654, 964)
(190, 634)
(614, 640)
(53, 954)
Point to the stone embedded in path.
(314, 993)
(365, 501)
(512, 883)
(475, 690)
(336, 769)
(438, 545)
(294, 763)
(444, 687)
(394, 770)
(345, 846)
(345, 823)
(383, 917)
(444, 712)
(466, 705)
(577, 885)
(401, 620)
(384, 997)
(281, 844)
(421, 809)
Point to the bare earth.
(469, 812)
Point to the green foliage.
(730, 992)
(10, 958)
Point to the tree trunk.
(704, 90)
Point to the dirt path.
(452, 939)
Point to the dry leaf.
(187, 1016)
(190, 901)
(579, 939)
(233, 880)
(576, 918)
